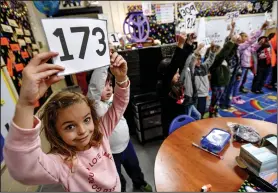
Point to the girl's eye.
(70, 127)
(87, 120)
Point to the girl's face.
(75, 125)
(244, 38)
(107, 91)
(176, 77)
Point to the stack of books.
(259, 160)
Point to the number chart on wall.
(82, 44)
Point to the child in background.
(201, 76)
(169, 87)
(246, 48)
(234, 66)
(264, 62)
(80, 157)
(273, 43)
(190, 92)
(220, 76)
(101, 91)
(272, 77)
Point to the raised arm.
(233, 24)
(118, 68)
(253, 38)
(209, 61)
(23, 155)
(176, 62)
(97, 84)
(223, 54)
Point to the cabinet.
(147, 117)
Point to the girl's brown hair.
(49, 116)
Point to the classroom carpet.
(257, 106)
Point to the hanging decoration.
(137, 25)
(48, 8)
(165, 33)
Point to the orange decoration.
(15, 47)
(19, 67)
(10, 67)
(24, 54)
(4, 41)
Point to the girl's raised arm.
(23, 155)
(118, 68)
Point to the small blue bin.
(215, 140)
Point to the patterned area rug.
(257, 106)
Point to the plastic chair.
(180, 121)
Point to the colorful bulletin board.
(18, 44)
(164, 32)
(220, 8)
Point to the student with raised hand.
(201, 76)
(170, 88)
(188, 80)
(220, 76)
(101, 91)
(264, 62)
(246, 49)
(234, 66)
(80, 156)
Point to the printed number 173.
(60, 34)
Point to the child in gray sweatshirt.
(201, 76)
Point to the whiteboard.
(216, 28)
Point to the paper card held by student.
(114, 39)
(190, 21)
(82, 44)
(188, 9)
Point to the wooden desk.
(180, 167)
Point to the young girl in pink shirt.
(80, 157)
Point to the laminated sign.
(232, 15)
(190, 21)
(188, 9)
(113, 38)
(82, 44)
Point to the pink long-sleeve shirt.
(247, 48)
(94, 169)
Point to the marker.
(206, 188)
(219, 156)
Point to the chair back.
(179, 121)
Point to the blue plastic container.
(215, 140)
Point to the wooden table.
(180, 167)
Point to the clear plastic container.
(215, 140)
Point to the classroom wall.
(119, 10)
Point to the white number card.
(82, 44)
(114, 39)
(190, 21)
(232, 15)
(188, 9)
